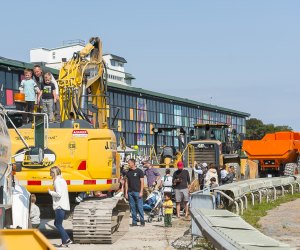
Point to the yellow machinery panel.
(11, 239)
(87, 157)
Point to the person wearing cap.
(181, 182)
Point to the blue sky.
(243, 55)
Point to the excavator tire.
(100, 221)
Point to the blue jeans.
(136, 202)
(59, 217)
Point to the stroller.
(153, 206)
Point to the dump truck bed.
(280, 145)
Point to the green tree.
(256, 129)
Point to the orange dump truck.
(277, 153)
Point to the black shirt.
(134, 182)
(182, 175)
(47, 90)
(39, 81)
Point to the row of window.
(115, 77)
(175, 119)
(142, 140)
(140, 133)
(163, 107)
(115, 63)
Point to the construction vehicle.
(219, 145)
(13, 213)
(278, 153)
(84, 148)
(12, 239)
(169, 156)
(14, 198)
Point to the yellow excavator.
(82, 146)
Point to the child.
(48, 95)
(167, 182)
(29, 88)
(223, 173)
(34, 213)
(214, 184)
(168, 206)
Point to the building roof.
(176, 99)
(129, 76)
(60, 47)
(18, 64)
(117, 58)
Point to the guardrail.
(227, 230)
(237, 192)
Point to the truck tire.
(290, 169)
(298, 161)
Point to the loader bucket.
(11, 239)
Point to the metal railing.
(227, 230)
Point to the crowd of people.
(40, 89)
(207, 172)
(132, 186)
(179, 184)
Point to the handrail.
(218, 241)
(218, 235)
(226, 230)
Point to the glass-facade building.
(141, 110)
(135, 111)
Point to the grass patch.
(254, 213)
